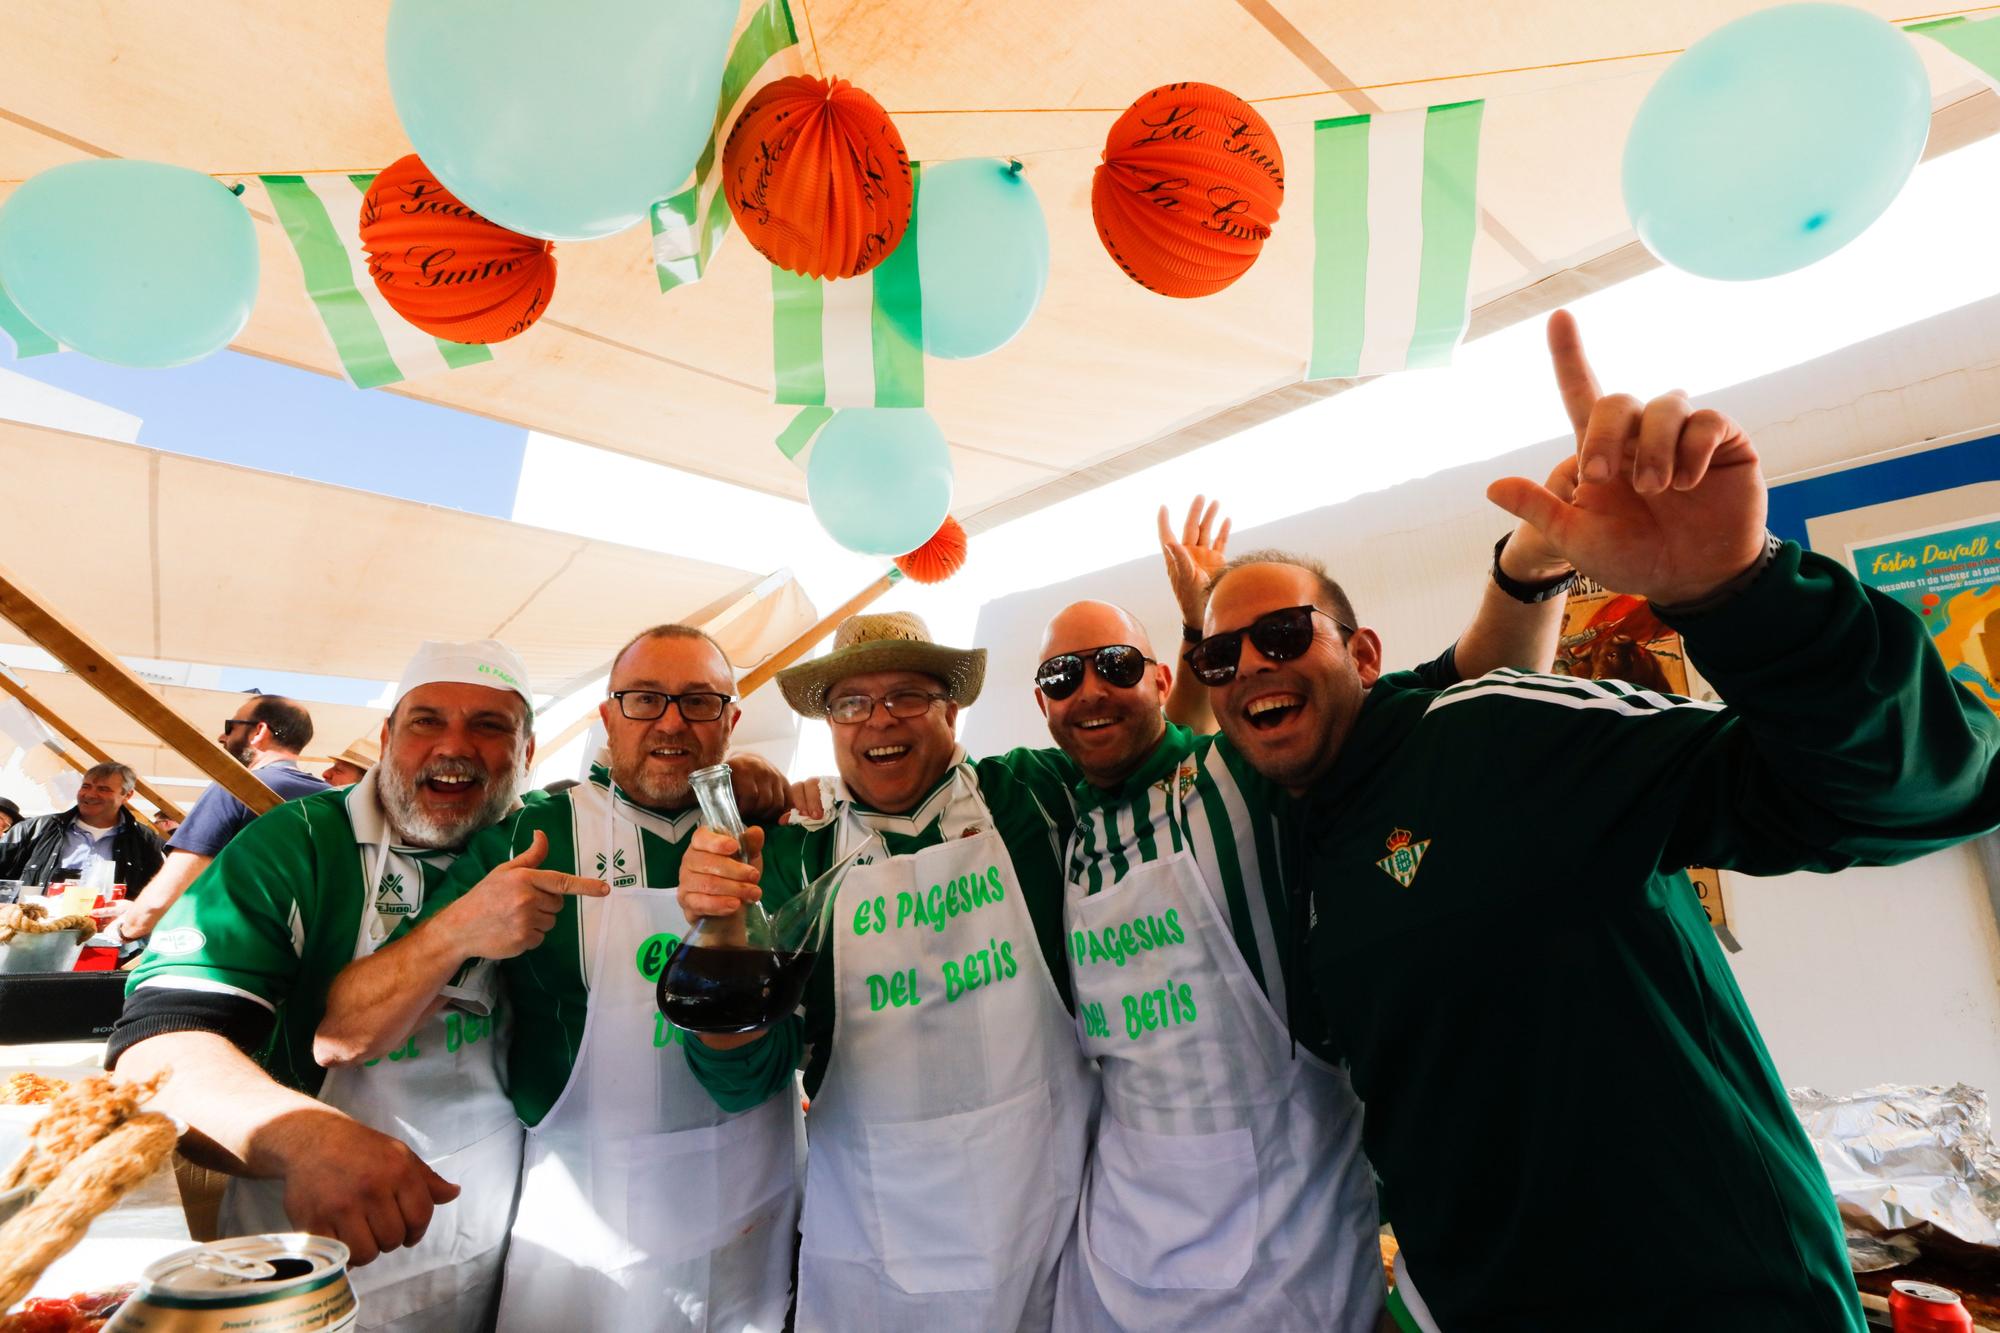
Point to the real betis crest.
(1404, 857)
(623, 878)
(390, 899)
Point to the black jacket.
(32, 849)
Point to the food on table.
(31, 1089)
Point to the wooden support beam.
(117, 682)
(804, 644)
(78, 739)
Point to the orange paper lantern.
(446, 269)
(939, 558)
(817, 177)
(1189, 187)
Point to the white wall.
(1873, 975)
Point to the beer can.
(1920, 1307)
(288, 1283)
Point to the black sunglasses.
(1278, 635)
(229, 723)
(1117, 664)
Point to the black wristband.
(1528, 592)
(1190, 634)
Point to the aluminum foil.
(1910, 1160)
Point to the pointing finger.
(555, 881)
(1574, 377)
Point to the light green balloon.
(563, 119)
(880, 479)
(136, 263)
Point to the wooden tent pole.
(117, 682)
(79, 740)
(805, 643)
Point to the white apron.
(442, 1093)
(948, 1138)
(644, 1205)
(1227, 1188)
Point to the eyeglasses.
(1278, 635)
(851, 710)
(1117, 664)
(651, 705)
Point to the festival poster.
(1949, 576)
(1615, 636)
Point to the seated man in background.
(95, 838)
(10, 815)
(265, 736)
(351, 764)
(231, 990)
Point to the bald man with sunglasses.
(1180, 949)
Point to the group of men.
(1090, 1042)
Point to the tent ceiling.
(1106, 378)
(164, 556)
(73, 699)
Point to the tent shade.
(1106, 378)
(154, 561)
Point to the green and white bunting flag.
(1976, 41)
(321, 214)
(1395, 206)
(28, 340)
(689, 226)
(852, 342)
(796, 440)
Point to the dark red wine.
(731, 990)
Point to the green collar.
(1175, 745)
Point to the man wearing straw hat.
(413, 1158)
(629, 1215)
(352, 764)
(950, 1103)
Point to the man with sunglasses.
(1500, 936)
(950, 1104)
(628, 1217)
(266, 736)
(1186, 981)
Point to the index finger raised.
(1574, 377)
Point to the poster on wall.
(1615, 636)
(1949, 576)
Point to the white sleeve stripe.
(1570, 684)
(171, 982)
(1579, 699)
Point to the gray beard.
(415, 827)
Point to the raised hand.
(1669, 501)
(1196, 556)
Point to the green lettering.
(937, 908)
(454, 1035)
(1142, 930)
(878, 995)
(953, 987)
(993, 878)
(664, 1033)
(1187, 1002)
(906, 903)
(1131, 1016)
(1126, 944)
(1007, 956)
(1174, 926)
(861, 917)
(1149, 1014)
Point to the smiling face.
(890, 763)
(453, 758)
(98, 798)
(652, 761)
(1107, 729)
(1290, 718)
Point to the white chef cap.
(478, 662)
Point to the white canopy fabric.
(1106, 379)
(145, 552)
(335, 726)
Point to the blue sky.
(244, 409)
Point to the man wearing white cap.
(643, 1203)
(232, 988)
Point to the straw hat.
(364, 753)
(895, 641)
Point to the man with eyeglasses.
(950, 1104)
(1501, 938)
(1187, 983)
(643, 1203)
(266, 736)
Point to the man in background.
(265, 736)
(74, 843)
(352, 764)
